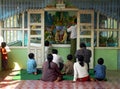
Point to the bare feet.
(35, 73)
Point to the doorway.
(86, 31)
(36, 35)
(51, 25)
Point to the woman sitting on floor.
(50, 70)
(81, 70)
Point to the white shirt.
(73, 30)
(57, 59)
(48, 50)
(80, 71)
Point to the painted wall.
(118, 59)
(110, 57)
(19, 57)
(63, 52)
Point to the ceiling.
(109, 8)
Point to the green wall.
(19, 56)
(63, 52)
(110, 57)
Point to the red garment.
(83, 79)
(4, 57)
(4, 54)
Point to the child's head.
(69, 57)
(100, 61)
(49, 57)
(80, 58)
(47, 43)
(54, 51)
(82, 45)
(75, 20)
(3, 44)
(31, 55)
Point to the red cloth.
(4, 57)
(4, 54)
(83, 79)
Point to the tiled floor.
(7, 83)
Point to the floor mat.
(23, 75)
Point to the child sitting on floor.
(31, 64)
(100, 70)
(68, 66)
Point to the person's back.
(50, 71)
(68, 66)
(86, 53)
(80, 70)
(73, 37)
(57, 58)
(100, 70)
(31, 64)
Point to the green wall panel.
(63, 52)
(17, 57)
(119, 59)
(110, 57)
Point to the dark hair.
(75, 20)
(54, 51)
(81, 60)
(69, 57)
(3, 44)
(31, 55)
(82, 45)
(47, 43)
(100, 61)
(49, 58)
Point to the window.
(107, 34)
(13, 33)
